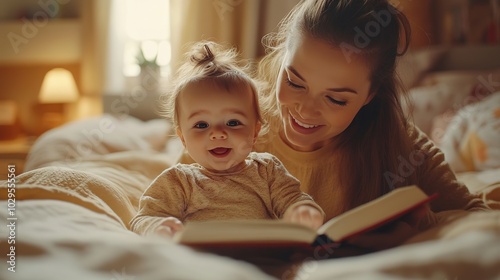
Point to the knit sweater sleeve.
(285, 189)
(434, 175)
(165, 197)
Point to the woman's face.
(320, 90)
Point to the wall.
(21, 83)
(421, 15)
(72, 39)
(435, 22)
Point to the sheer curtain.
(238, 23)
(95, 19)
(115, 80)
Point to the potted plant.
(149, 70)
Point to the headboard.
(144, 106)
(470, 57)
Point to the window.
(137, 26)
(147, 36)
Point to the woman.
(335, 119)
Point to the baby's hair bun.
(203, 55)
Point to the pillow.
(439, 126)
(469, 87)
(471, 140)
(440, 95)
(425, 103)
(459, 84)
(156, 132)
(93, 136)
(412, 66)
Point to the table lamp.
(57, 90)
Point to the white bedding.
(60, 240)
(73, 213)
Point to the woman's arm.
(434, 175)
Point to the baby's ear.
(258, 127)
(178, 131)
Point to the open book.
(280, 233)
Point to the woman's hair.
(209, 62)
(372, 147)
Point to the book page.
(374, 213)
(243, 231)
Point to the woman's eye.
(336, 102)
(293, 85)
(233, 123)
(201, 125)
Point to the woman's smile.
(301, 127)
(304, 125)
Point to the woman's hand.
(169, 227)
(305, 215)
(393, 234)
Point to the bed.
(82, 183)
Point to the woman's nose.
(218, 134)
(307, 109)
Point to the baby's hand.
(305, 215)
(169, 227)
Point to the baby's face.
(218, 127)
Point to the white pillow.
(446, 91)
(413, 65)
(425, 103)
(88, 137)
(471, 141)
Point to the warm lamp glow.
(58, 87)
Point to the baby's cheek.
(244, 147)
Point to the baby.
(214, 106)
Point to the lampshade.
(58, 87)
